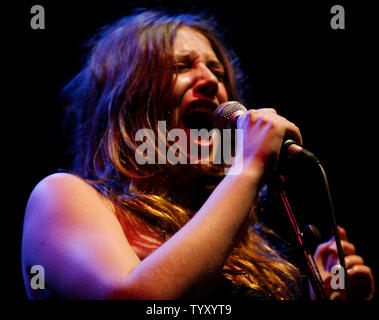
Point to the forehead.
(188, 40)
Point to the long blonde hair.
(126, 85)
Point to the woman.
(118, 229)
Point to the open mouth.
(198, 120)
(199, 115)
(196, 116)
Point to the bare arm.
(199, 249)
(70, 231)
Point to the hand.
(361, 280)
(263, 134)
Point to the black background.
(321, 79)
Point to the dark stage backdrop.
(321, 79)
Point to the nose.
(207, 83)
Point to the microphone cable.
(335, 231)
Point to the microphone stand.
(315, 278)
(313, 273)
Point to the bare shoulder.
(63, 195)
(63, 199)
(60, 199)
(66, 216)
(62, 188)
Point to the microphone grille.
(225, 116)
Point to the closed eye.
(183, 62)
(217, 69)
(182, 67)
(187, 61)
(220, 74)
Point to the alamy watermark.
(189, 142)
(338, 19)
(38, 19)
(37, 22)
(338, 280)
(38, 280)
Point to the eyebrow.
(185, 57)
(189, 57)
(215, 64)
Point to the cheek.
(180, 89)
(182, 83)
(222, 94)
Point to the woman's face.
(199, 87)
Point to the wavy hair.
(125, 85)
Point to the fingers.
(259, 145)
(352, 261)
(292, 131)
(331, 246)
(326, 255)
(361, 280)
(358, 269)
(342, 233)
(360, 276)
(270, 115)
(269, 110)
(329, 249)
(347, 248)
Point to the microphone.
(226, 115)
